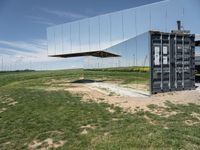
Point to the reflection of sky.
(133, 52)
(108, 30)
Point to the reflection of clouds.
(60, 46)
(104, 31)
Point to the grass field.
(33, 118)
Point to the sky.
(23, 25)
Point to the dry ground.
(128, 103)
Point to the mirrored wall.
(123, 33)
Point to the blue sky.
(23, 26)
(28, 19)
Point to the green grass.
(41, 114)
(113, 75)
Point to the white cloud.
(22, 55)
(28, 47)
(35, 50)
(57, 13)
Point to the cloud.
(28, 47)
(64, 14)
(34, 51)
(54, 13)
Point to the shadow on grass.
(87, 81)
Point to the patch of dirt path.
(129, 104)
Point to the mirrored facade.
(116, 45)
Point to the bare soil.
(48, 143)
(129, 104)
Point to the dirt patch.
(196, 115)
(132, 104)
(163, 112)
(2, 109)
(110, 110)
(53, 82)
(191, 123)
(149, 120)
(88, 127)
(12, 103)
(48, 143)
(106, 133)
(129, 104)
(7, 143)
(7, 102)
(138, 86)
(84, 132)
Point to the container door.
(172, 64)
(183, 69)
(160, 65)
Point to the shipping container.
(172, 61)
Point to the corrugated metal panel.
(173, 61)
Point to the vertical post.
(150, 63)
(122, 25)
(110, 21)
(99, 21)
(150, 19)
(48, 41)
(183, 61)
(136, 47)
(62, 38)
(54, 41)
(79, 32)
(89, 34)
(70, 36)
(136, 37)
(161, 38)
(2, 63)
(169, 61)
(175, 39)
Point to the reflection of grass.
(197, 77)
(41, 114)
(125, 75)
